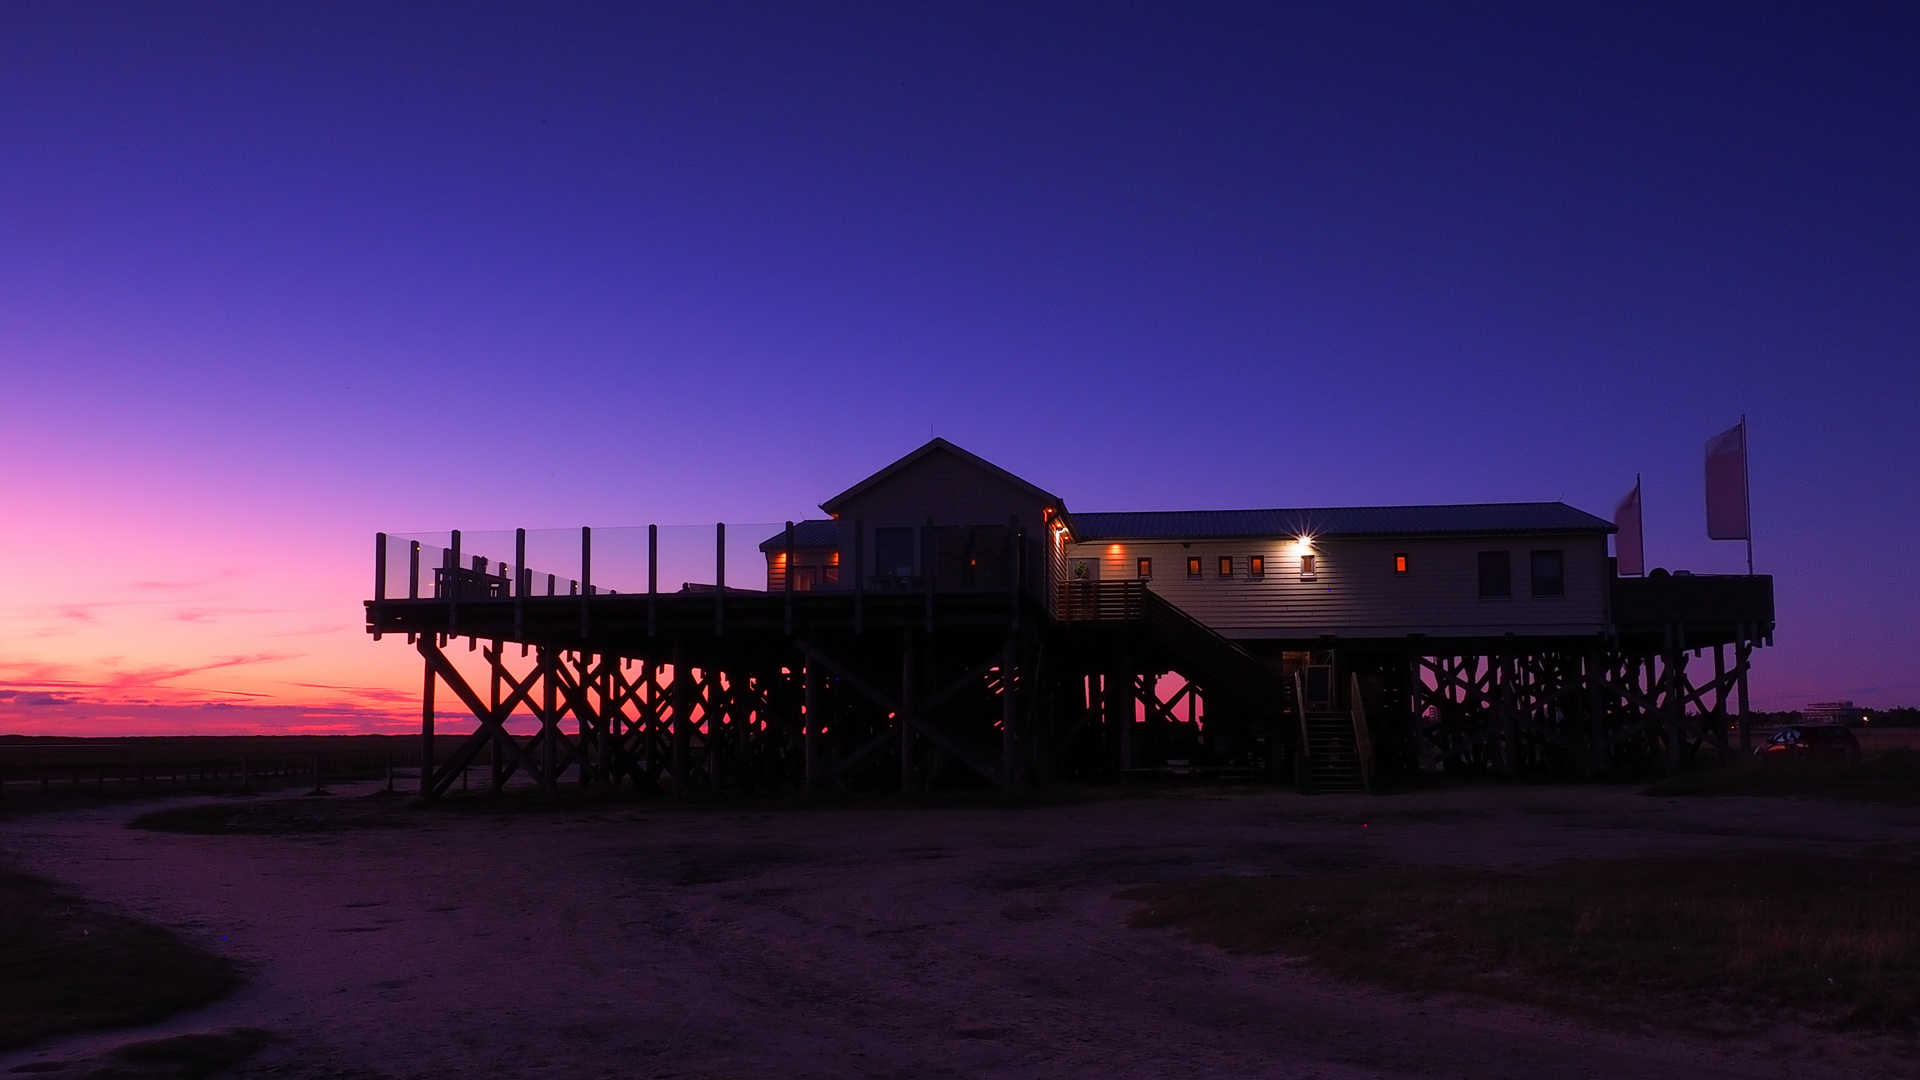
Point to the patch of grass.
(1892, 778)
(1709, 943)
(181, 1057)
(66, 968)
(277, 818)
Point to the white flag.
(1727, 515)
(1629, 545)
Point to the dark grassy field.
(1892, 778)
(39, 769)
(65, 967)
(1712, 943)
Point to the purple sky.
(275, 276)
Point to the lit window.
(1306, 567)
(1549, 573)
(1400, 564)
(1257, 566)
(1496, 575)
(1226, 566)
(1144, 568)
(1193, 567)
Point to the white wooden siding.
(1355, 592)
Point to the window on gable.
(893, 553)
(1400, 563)
(1308, 564)
(1143, 568)
(1226, 566)
(1256, 566)
(1496, 575)
(1193, 566)
(1549, 573)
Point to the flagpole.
(1746, 489)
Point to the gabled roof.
(938, 446)
(811, 533)
(1548, 517)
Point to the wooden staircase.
(1333, 756)
(1337, 749)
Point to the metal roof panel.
(1547, 517)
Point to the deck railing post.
(379, 580)
(786, 575)
(719, 578)
(653, 580)
(929, 558)
(413, 569)
(586, 576)
(520, 581)
(453, 583)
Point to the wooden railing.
(1101, 601)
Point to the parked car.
(1805, 742)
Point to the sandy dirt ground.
(917, 941)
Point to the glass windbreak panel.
(690, 557)
(564, 562)
(411, 563)
(1549, 573)
(971, 556)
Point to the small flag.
(1727, 513)
(1629, 545)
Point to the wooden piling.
(811, 717)
(906, 712)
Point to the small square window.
(1307, 567)
(1549, 573)
(1400, 564)
(1496, 575)
(1193, 567)
(1226, 566)
(1144, 568)
(1256, 566)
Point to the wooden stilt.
(496, 758)
(811, 766)
(1010, 713)
(426, 729)
(682, 720)
(907, 674)
(1742, 652)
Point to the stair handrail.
(1362, 738)
(1300, 708)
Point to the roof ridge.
(930, 447)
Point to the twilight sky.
(273, 277)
